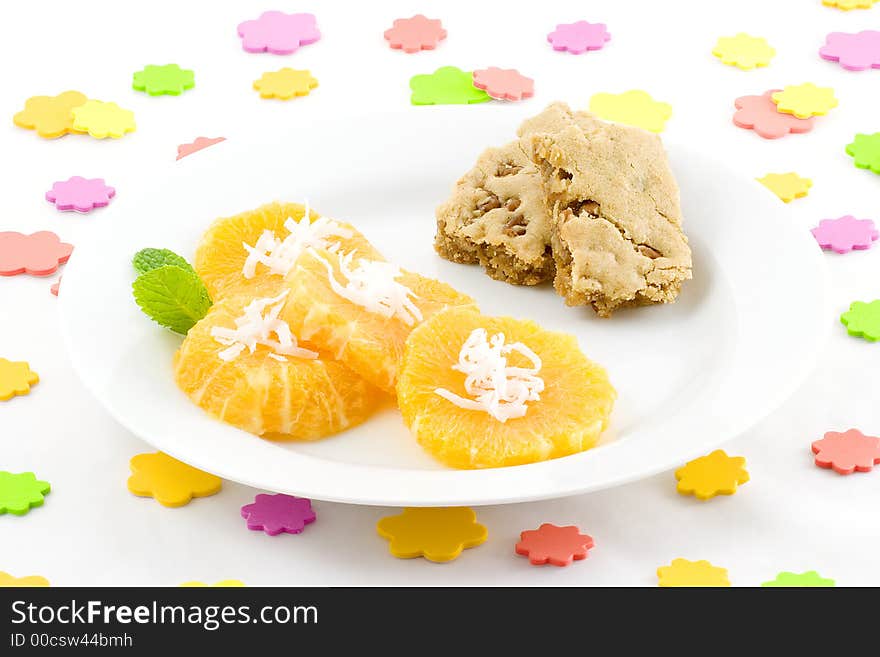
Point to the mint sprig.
(148, 259)
(168, 290)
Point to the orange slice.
(220, 256)
(292, 399)
(369, 343)
(572, 411)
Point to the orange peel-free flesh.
(370, 344)
(220, 256)
(572, 412)
(296, 399)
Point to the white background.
(91, 531)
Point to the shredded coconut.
(256, 328)
(499, 390)
(373, 285)
(280, 255)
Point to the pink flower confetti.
(846, 233)
(278, 33)
(848, 452)
(279, 513)
(415, 34)
(759, 113)
(80, 194)
(200, 143)
(558, 546)
(38, 254)
(504, 83)
(579, 37)
(854, 52)
(56, 286)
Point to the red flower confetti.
(848, 452)
(38, 254)
(759, 113)
(415, 34)
(504, 83)
(558, 546)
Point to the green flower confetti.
(19, 493)
(158, 80)
(862, 320)
(865, 151)
(809, 578)
(447, 85)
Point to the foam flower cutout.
(743, 51)
(577, 38)
(682, 572)
(865, 151)
(285, 84)
(846, 5)
(809, 578)
(7, 580)
(49, 115)
(863, 320)
(854, 52)
(634, 107)
(436, 533)
(278, 33)
(16, 378)
(38, 254)
(847, 452)
(275, 514)
(504, 83)
(447, 85)
(169, 481)
(200, 143)
(19, 493)
(415, 34)
(759, 113)
(558, 546)
(846, 233)
(55, 286)
(805, 100)
(169, 79)
(223, 583)
(102, 120)
(80, 194)
(711, 475)
(787, 186)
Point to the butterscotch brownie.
(496, 217)
(615, 218)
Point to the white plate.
(690, 375)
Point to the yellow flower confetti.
(223, 583)
(102, 120)
(743, 51)
(16, 378)
(682, 572)
(169, 481)
(805, 100)
(50, 116)
(634, 107)
(846, 5)
(711, 475)
(7, 580)
(285, 84)
(787, 186)
(438, 534)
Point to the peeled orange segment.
(571, 413)
(292, 399)
(220, 256)
(370, 344)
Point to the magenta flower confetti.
(80, 194)
(279, 513)
(846, 233)
(278, 33)
(854, 52)
(579, 37)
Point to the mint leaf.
(148, 259)
(172, 296)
